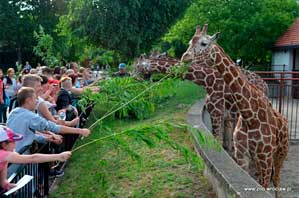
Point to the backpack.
(6, 101)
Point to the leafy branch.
(118, 91)
(152, 135)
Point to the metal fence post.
(281, 84)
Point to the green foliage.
(248, 29)
(44, 47)
(20, 18)
(179, 70)
(129, 27)
(153, 134)
(118, 91)
(175, 41)
(100, 56)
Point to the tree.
(248, 28)
(44, 47)
(20, 18)
(128, 27)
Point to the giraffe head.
(156, 63)
(200, 44)
(141, 65)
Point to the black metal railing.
(40, 184)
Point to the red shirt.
(1, 92)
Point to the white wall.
(282, 57)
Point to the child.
(7, 155)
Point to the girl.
(7, 155)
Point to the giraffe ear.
(197, 32)
(215, 37)
(204, 29)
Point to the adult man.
(122, 71)
(87, 77)
(27, 66)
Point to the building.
(285, 57)
(285, 54)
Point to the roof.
(291, 37)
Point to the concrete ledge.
(227, 178)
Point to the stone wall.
(227, 178)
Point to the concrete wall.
(227, 178)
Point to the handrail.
(280, 78)
(276, 72)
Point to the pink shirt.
(3, 155)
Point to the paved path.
(290, 173)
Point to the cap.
(53, 81)
(6, 134)
(121, 65)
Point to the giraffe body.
(261, 132)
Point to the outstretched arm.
(14, 157)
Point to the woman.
(10, 83)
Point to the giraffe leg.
(240, 145)
(241, 157)
(258, 169)
(264, 167)
(278, 162)
(229, 126)
(216, 120)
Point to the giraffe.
(218, 99)
(261, 132)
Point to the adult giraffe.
(261, 132)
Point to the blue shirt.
(25, 122)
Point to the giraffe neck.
(205, 76)
(235, 80)
(202, 73)
(162, 65)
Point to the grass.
(101, 170)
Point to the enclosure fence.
(284, 96)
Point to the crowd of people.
(39, 106)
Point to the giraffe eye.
(203, 44)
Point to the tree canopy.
(129, 27)
(19, 19)
(248, 28)
(109, 31)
